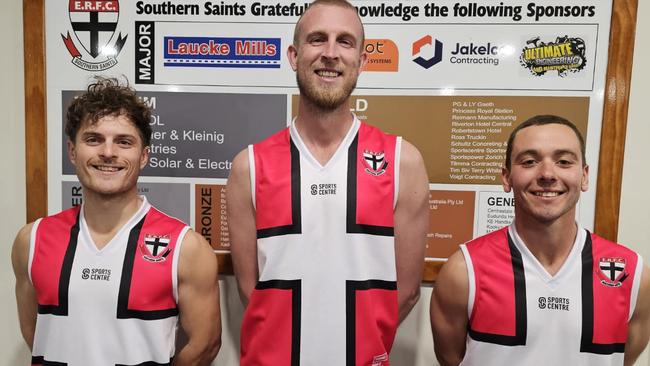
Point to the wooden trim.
(431, 270)
(612, 140)
(35, 108)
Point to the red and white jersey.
(114, 306)
(521, 315)
(327, 290)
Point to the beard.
(326, 98)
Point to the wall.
(413, 346)
(12, 166)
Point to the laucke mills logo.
(562, 55)
(93, 24)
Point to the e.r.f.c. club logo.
(376, 163)
(612, 271)
(155, 248)
(93, 22)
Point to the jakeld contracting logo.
(437, 52)
(93, 23)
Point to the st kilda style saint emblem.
(612, 271)
(95, 45)
(376, 163)
(155, 248)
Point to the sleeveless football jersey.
(327, 291)
(114, 306)
(521, 315)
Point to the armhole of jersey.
(636, 284)
(32, 247)
(177, 255)
(470, 279)
(398, 151)
(251, 170)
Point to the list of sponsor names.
(211, 216)
(477, 144)
(445, 232)
(497, 209)
(167, 144)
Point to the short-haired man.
(105, 283)
(328, 217)
(542, 291)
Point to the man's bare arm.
(25, 293)
(241, 225)
(198, 302)
(638, 332)
(411, 224)
(448, 311)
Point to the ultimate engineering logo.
(562, 55)
(94, 23)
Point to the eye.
(316, 40)
(348, 43)
(564, 162)
(125, 142)
(91, 140)
(528, 163)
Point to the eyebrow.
(533, 152)
(324, 33)
(93, 133)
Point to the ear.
(144, 157)
(72, 155)
(585, 179)
(362, 62)
(292, 55)
(505, 179)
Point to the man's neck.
(322, 131)
(549, 242)
(105, 215)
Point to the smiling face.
(108, 156)
(547, 174)
(328, 55)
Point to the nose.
(331, 50)
(547, 171)
(108, 150)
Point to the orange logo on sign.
(382, 55)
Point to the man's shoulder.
(496, 237)
(66, 216)
(279, 138)
(601, 244)
(161, 217)
(371, 130)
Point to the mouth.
(328, 74)
(107, 168)
(548, 194)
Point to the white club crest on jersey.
(380, 359)
(612, 271)
(155, 247)
(375, 162)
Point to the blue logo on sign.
(222, 52)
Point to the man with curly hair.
(105, 283)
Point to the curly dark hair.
(106, 97)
